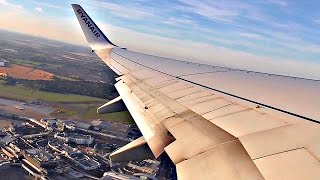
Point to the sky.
(275, 36)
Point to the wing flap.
(296, 164)
(228, 161)
(300, 135)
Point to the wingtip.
(75, 5)
(92, 32)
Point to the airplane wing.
(216, 122)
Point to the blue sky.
(281, 35)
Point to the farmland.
(22, 72)
(25, 94)
(69, 79)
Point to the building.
(121, 176)
(100, 125)
(96, 124)
(59, 146)
(3, 62)
(84, 161)
(50, 122)
(134, 132)
(18, 145)
(117, 176)
(74, 138)
(147, 166)
(80, 138)
(3, 134)
(7, 139)
(40, 159)
(69, 125)
(82, 125)
(9, 152)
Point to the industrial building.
(82, 125)
(7, 139)
(74, 138)
(147, 166)
(3, 62)
(84, 161)
(60, 149)
(10, 153)
(134, 132)
(50, 122)
(39, 158)
(99, 124)
(70, 125)
(59, 146)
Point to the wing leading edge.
(209, 134)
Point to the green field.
(64, 78)
(89, 112)
(33, 64)
(26, 94)
(123, 116)
(64, 113)
(69, 105)
(26, 63)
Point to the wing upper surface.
(290, 94)
(221, 123)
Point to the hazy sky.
(276, 36)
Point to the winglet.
(95, 37)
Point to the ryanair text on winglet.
(88, 23)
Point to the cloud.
(213, 10)
(179, 21)
(29, 23)
(39, 3)
(240, 18)
(128, 11)
(39, 9)
(317, 21)
(10, 5)
(278, 2)
(250, 35)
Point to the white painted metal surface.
(221, 123)
(298, 96)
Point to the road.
(103, 134)
(27, 109)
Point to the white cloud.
(39, 3)
(278, 2)
(317, 21)
(213, 10)
(179, 21)
(39, 9)
(10, 5)
(250, 35)
(128, 11)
